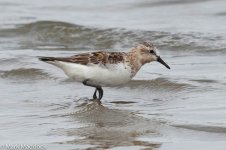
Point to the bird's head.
(148, 52)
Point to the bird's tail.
(46, 59)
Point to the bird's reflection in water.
(108, 128)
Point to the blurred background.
(181, 108)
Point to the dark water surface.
(181, 108)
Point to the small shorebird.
(102, 68)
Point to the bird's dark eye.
(152, 52)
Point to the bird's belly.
(97, 74)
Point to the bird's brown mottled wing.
(100, 57)
(104, 58)
(78, 59)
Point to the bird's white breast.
(109, 75)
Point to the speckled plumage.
(104, 68)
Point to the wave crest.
(66, 36)
(25, 74)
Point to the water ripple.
(25, 74)
(54, 35)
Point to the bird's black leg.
(95, 94)
(98, 88)
(101, 92)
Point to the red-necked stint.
(102, 68)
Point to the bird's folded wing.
(100, 57)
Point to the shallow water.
(181, 108)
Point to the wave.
(55, 35)
(158, 84)
(25, 74)
(167, 3)
(205, 128)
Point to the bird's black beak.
(159, 59)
